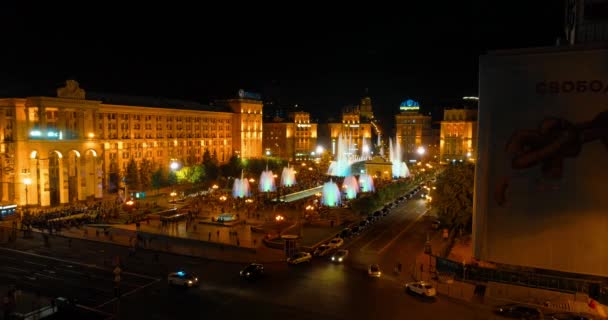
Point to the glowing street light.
(421, 150)
(279, 218)
(215, 187)
(174, 165)
(319, 150)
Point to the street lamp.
(174, 165)
(27, 182)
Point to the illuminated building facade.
(56, 150)
(414, 131)
(351, 126)
(246, 124)
(293, 139)
(458, 135)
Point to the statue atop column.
(71, 90)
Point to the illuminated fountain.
(346, 155)
(288, 177)
(399, 168)
(240, 188)
(267, 181)
(351, 187)
(366, 183)
(330, 195)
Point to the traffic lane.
(396, 219)
(320, 290)
(90, 286)
(406, 215)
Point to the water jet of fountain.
(331, 194)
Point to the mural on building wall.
(549, 145)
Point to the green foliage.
(158, 179)
(192, 174)
(453, 196)
(171, 178)
(146, 168)
(232, 168)
(132, 175)
(370, 203)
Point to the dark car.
(377, 214)
(345, 233)
(519, 312)
(252, 271)
(363, 223)
(572, 316)
(356, 230)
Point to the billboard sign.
(541, 191)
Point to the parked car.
(356, 230)
(345, 233)
(339, 256)
(363, 223)
(373, 270)
(572, 316)
(336, 242)
(252, 271)
(518, 311)
(299, 257)
(421, 288)
(181, 278)
(321, 250)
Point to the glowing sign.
(409, 105)
(249, 95)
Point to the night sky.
(318, 55)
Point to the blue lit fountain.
(351, 187)
(366, 183)
(399, 169)
(240, 188)
(331, 194)
(267, 181)
(288, 177)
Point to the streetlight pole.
(27, 182)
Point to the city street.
(319, 290)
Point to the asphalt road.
(319, 290)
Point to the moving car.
(336, 243)
(181, 278)
(339, 256)
(299, 257)
(421, 288)
(252, 271)
(374, 271)
(518, 311)
(321, 250)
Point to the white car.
(336, 243)
(322, 250)
(374, 271)
(339, 256)
(299, 257)
(422, 288)
(181, 278)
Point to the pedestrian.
(218, 234)
(209, 236)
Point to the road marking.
(93, 266)
(128, 293)
(383, 233)
(402, 231)
(34, 263)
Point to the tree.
(146, 168)
(453, 196)
(158, 179)
(211, 165)
(232, 168)
(192, 174)
(132, 175)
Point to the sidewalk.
(156, 243)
